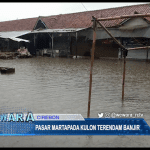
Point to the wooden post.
(68, 50)
(138, 48)
(18, 45)
(76, 44)
(34, 45)
(124, 69)
(34, 39)
(119, 50)
(147, 55)
(52, 45)
(92, 60)
(124, 16)
(8, 46)
(123, 77)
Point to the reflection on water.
(61, 85)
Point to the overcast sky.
(13, 11)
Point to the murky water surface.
(61, 85)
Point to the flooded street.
(61, 86)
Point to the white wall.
(138, 54)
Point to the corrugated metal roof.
(14, 34)
(58, 30)
(19, 40)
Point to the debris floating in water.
(7, 70)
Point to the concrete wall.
(134, 23)
(138, 54)
(116, 32)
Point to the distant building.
(72, 34)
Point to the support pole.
(147, 55)
(8, 46)
(124, 16)
(34, 39)
(68, 50)
(92, 60)
(52, 45)
(119, 50)
(123, 77)
(34, 45)
(76, 44)
(124, 53)
(138, 48)
(18, 45)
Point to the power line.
(84, 7)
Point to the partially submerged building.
(72, 34)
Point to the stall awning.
(14, 34)
(19, 40)
(57, 30)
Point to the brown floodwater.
(61, 86)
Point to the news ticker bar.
(38, 117)
(76, 126)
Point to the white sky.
(13, 11)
